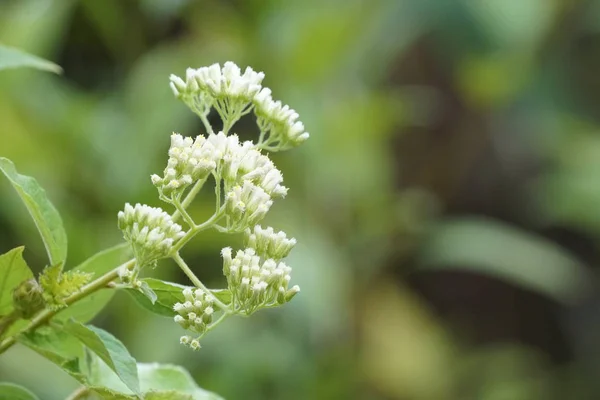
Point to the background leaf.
(13, 271)
(44, 214)
(15, 58)
(10, 391)
(504, 252)
(98, 264)
(109, 349)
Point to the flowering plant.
(49, 314)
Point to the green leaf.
(149, 293)
(157, 382)
(504, 252)
(99, 264)
(68, 352)
(44, 214)
(167, 377)
(10, 391)
(168, 293)
(224, 295)
(57, 346)
(13, 271)
(15, 58)
(109, 349)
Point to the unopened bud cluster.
(256, 282)
(234, 94)
(279, 122)
(246, 205)
(227, 89)
(150, 231)
(267, 243)
(242, 161)
(196, 313)
(189, 161)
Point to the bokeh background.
(447, 205)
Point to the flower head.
(189, 161)
(239, 162)
(254, 282)
(246, 205)
(196, 312)
(227, 89)
(150, 231)
(267, 243)
(278, 122)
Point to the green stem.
(80, 393)
(182, 211)
(209, 223)
(184, 267)
(46, 315)
(189, 198)
(207, 125)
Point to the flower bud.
(28, 298)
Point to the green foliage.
(100, 263)
(15, 58)
(157, 381)
(13, 271)
(109, 349)
(58, 285)
(506, 253)
(44, 214)
(10, 391)
(166, 295)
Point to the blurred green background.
(447, 205)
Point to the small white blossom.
(255, 283)
(278, 123)
(268, 243)
(150, 231)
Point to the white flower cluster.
(243, 162)
(255, 283)
(195, 314)
(189, 161)
(237, 163)
(267, 243)
(150, 231)
(227, 89)
(246, 205)
(279, 125)
(233, 95)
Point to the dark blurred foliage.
(447, 205)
